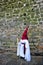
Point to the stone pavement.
(12, 59)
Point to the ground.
(11, 59)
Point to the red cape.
(24, 35)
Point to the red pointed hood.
(24, 35)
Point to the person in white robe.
(23, 48)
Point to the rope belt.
(24, 47)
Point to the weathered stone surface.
(12, 59)
(15, 15)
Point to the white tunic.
(20, 50)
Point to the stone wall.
(10, 31)
(14, 16)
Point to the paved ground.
(11, 59)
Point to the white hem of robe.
(20, 51)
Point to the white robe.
(20, 50)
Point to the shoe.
(22, 57)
